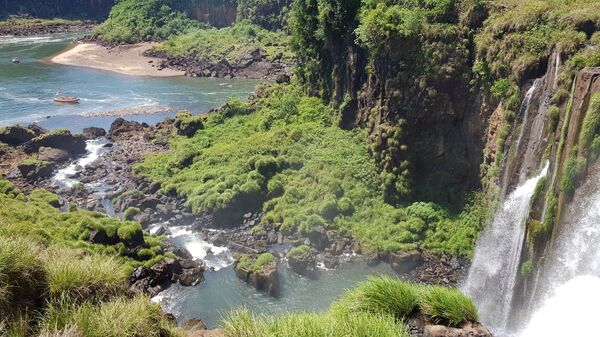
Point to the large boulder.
(405, 262)
(36, 129)
(264, 278)
(93, 133)
(59, 139)
(121, 126)
(33, 169)
(16, 135)
(302, 262)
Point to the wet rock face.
(121, 126)
(16, 135)
(53, 155)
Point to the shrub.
(187, 124)
(526, 268)
(447, 305)
(131, 212)
(381, 295)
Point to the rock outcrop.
(16, 135)
(264, 278)
(62, 139)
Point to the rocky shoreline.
(255, 65)
(43, 28)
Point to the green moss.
(129, 231)
(299, 250)
(590, 126)
(131, 212)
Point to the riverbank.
(30, 27)
(123, 59)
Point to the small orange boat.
(66, 100)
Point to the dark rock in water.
(61, 139)
(33, 170)
(108, 145)
(192, 276)
(466, 330)
(318, 238)
(162, 230)
(194, 324)
(303, 264)
(93, 133)
(53, 155)
(16, 135)
(405, 262)
(265, 279)
(36, 129)
(121, 126)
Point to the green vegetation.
(120, 317)
(255, 263)
(132, 21)
(377, 307)
(232, 44)
(131, 212)
(54, 279)
(269, 14)
(283, 152)
(526, 268)
(300, 250)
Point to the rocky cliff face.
(218, 13)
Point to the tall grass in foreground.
(376, 307)
(118, 318)
(242, 323)
(384, 294)
(447, 305)
(78, 277)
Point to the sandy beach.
(127, 59)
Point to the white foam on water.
(64, 177)
(570, 312)
(200, 248)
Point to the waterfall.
(570, 279)
(492, 276)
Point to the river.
(27, 89)
(26, 93)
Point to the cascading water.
(570, 283)
(492, 276)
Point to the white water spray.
(492, 276)
(570, 283)
(64, 177)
